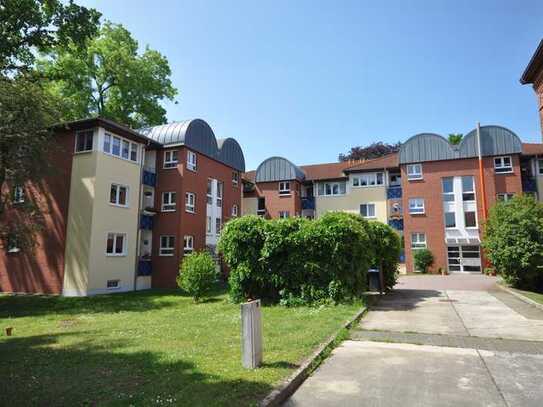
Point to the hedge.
(300, 261)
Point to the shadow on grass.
(44, 370)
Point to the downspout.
(481, 172)
(138, 233)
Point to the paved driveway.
(447, 341)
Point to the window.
(505, 196)
(332, 188)
(208, 224)
(418, 240)
(540, 166)
(284, 214)
(368, 180)
(83, 141)
(217, 225)
(18, 194)
(169, 201)
(450, 220)
(367, 210)
(414, 171)
(209, 191)
(126, 149)
(235, 178)
(170, 159)
(261, 206)
(167, 245)
(447, 187)
(468, 191)
(118, 195)
(120, 147)
(220, 187)
(107, 143)
(395, 179)
(112, 284)
(416, 206)
(116, 245)
(116, 146)
(13, 244)
(470, 219)
(503, 164)
(134, 152)
(190, 200)
(188, 246)
(191, 161)
(284, 188)
(234, 210)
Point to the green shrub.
(423, 259)
(197, 274)
(513, 242)
(387, 247)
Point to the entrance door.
(464, 259)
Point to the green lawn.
(145, 348)
(538, 297)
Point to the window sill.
(284, 194)
(170, 167)
(189, 211)
(417, 213)
(83, 152)
(115, 254)
(165, 255)
(191, 169)
(14, 251)
(167, 210)
(367, 186)
(503, 172)
(119, 206)
(415, 179)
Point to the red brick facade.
(430, 189)
(181, 223)
(275, 202)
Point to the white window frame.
(418, 243)
(209, 193)
(191, 161)
(500, 167)
(445, 220)
(331, 186)
(414, 172)
(170, 204)
(113, 287)
(444, 194)
(220, 193)
(169, 250)
(118, 194)
(234, 211)
(416, 206)
(368, 205)
(114, 253)
(284, 214)
(188, 244)
(540, 166)
(504, 196)
(190, 202)
(476, 226)
(472, 191)
(18, 194)
(208, 225)
(370, 180)
(86, 134)
(284, 188)
(235, 178)
(171, 159)
(259, 211)
(132, 147)
(218, 226)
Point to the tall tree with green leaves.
(110, 78)
(455, 138)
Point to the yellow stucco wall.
(79, 225)
(351, 201)
(249, 206)
(108, 218)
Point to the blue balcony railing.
(146, 222)
(396, 224)
(145, 268)
(308, 202)
(529, 184)
(394, 192)
(149, 178)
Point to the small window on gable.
(84, 140)
(414, 171)
(191, 160)
(284, 188)
(170, 159)
(503, 164)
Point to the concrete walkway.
(447, 341)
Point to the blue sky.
(310, 79)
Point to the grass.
(145, 348)
(537, 297)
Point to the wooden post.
(251, 335)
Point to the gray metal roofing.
(495, 140)
(278, 169)
(197, 135)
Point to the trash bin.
(374, 282)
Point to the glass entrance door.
(464, 259)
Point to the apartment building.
(123, 207)
(533, 74)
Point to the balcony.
(308, 202)
(529, 184)
(146, 222)
(396, 224)
(149, 177)
(394, 192)
(145, 268)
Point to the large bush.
(513, 241)
(423, 259)
(296, 260)
(386, 249)
(198, 274)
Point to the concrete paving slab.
(388, 374)
(472, 282)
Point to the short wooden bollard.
(251, 334)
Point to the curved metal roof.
(197, 135)
(495, 140)
(278, 169)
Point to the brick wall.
(276, 203)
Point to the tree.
(513, 241)
(423, 259)
(30, 25)
(455, 138)
(374, 150)
(110, 79)
(198, 274)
